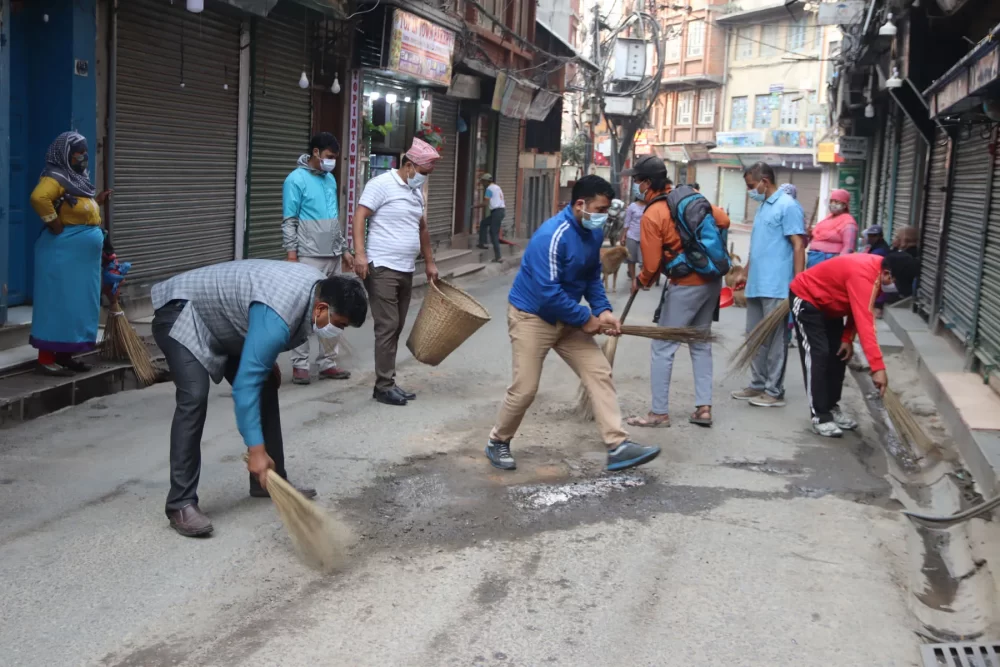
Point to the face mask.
(327, 164)
(836, 207)
(636, 192)
(80, 165)
(594, 221)
(890, 288)
(328, 332)
(417, 180)
(756, 195)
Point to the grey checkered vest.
(213, 325)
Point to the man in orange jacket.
(821, 297)
(688, 301)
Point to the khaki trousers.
(531, 339)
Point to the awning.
(335, 8)
(776, 156)
(569, 47)
(961, 86)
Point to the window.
(684, 103)
(744, 43)
(672, 48)
(817, 42)
(769, 41)
(738, 116)
(706, 108)
(790, 110)
(795, 38)
(696, 39)
(762, 111)
(834, 50)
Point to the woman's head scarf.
(58, 165)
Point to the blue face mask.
(636, 192)
(594, 221)
(756, 195)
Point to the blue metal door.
(4, 151)
(20, 246)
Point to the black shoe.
(74, 365)
(408, 395)
(190, 521)
(499, 455)
(481, 246)
(389, 396)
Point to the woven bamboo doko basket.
(448, 316)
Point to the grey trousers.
(389, 300)
(327, 357)
(491, 225)
(684, 306)
(192, 382)
(767, 372)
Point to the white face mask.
(890, 288)
(328, 164)
(837, 207)
(329, 332)
(417, 180)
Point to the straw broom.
(122, 342)
(761, 334)
(320, 541)
(905, 423)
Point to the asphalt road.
(752, 543)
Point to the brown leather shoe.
(189, 521)
(257, 491)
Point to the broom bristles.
(675, 334)
(319, 539)
(905, 423)
(756, 339)
(122, 342)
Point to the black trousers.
(192, 382)
(490, 226)
(819, 341)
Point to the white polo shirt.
(495, 194)
(394, 227)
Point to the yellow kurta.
(48, 191)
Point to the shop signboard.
(739, 139)
(827, 153)
(985, 70)
(854, 148)
(840, 13)
(420, 48)
(850, 178)
(726, 160)
(675, 154)
(353, 149)
(464, 86)
(792, 138)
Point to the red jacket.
(846, 286)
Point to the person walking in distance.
(392, 205)
(493, 198)
(777, 254)
(632, 235)
(561, 265)
(311, 234)
(231, 320)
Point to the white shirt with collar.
(394, 227)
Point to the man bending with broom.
(232, 320)
(820, 298)
(561, 265)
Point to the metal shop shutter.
(930, 233)
(965, 230)
(988, 334)
(871, 189)
(174, 207)
(906, 172)
(441, 184)
(733, 198)
(886, 182)
(508, 151)
(707, 176)
(280, 124)
(807, 185)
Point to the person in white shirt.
(493, 197)
(392, 209)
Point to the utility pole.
(598, 81)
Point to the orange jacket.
(661, 243)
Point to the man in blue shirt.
(311, 234)
(232, 320)
(561, 265)
(777, 254)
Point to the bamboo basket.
(448, 316)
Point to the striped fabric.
(214, 323)
(394, 227)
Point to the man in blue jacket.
(561, 265)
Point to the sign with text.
(853, 148)
(740, 139)
(847, 12)
(420, 48)
(352, 153)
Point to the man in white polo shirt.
(393, 206)
(492, 196)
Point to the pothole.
(537, 497)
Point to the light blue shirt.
(267, 337)
(771, 254)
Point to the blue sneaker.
(499, 455)
(629, 455)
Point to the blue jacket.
(561, 265)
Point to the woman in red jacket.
(821, 297)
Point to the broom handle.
(628, 306)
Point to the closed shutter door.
(930, 233)
(807, 184)
(906, 172)
(281, 121)
(441, 185)
(874, 174)
(988, 334)
(174, 207)
(965, 231)
(508, 150)
(886, 184)
(707, 175)
(733, 197)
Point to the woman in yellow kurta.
(67, 292)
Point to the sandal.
(701, 420)
(646, 422)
